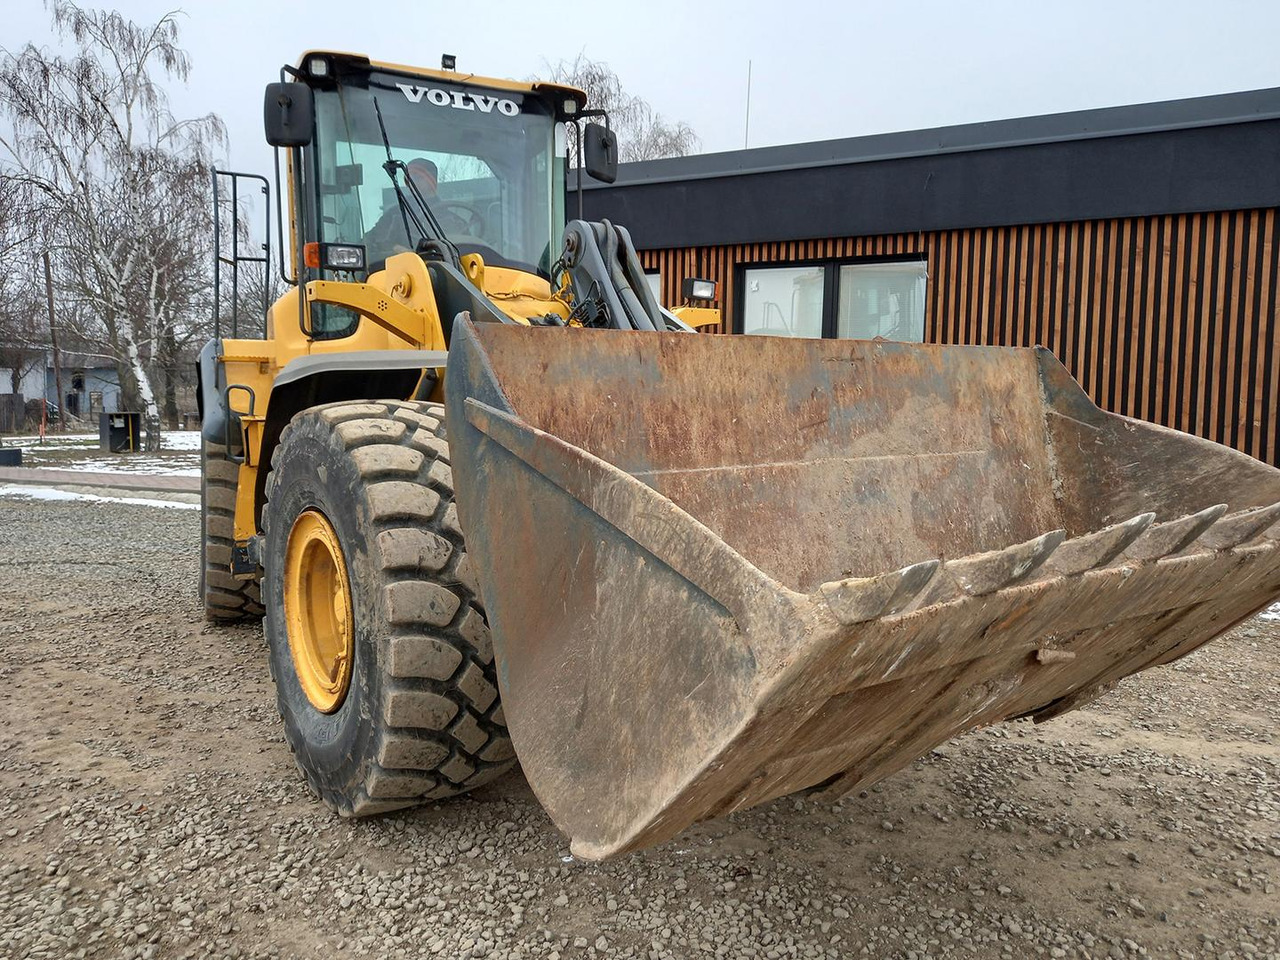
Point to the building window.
(784, 301)
(881, 300)
(832, 299)
(655, 286)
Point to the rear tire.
(420, 717)
(224, 597)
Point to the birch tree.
(123, 188)
(22, 337)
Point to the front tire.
(417, 716)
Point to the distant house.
(90, 383)
(29, 364)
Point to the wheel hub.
(317, 610)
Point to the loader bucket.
(722, 569)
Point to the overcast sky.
(820, 70)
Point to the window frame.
(830, 285)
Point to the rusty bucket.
(722, 569)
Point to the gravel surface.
(149, 808)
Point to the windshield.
(489, 163)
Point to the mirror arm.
(595, 113)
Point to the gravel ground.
(149, 808)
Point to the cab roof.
(560, 90)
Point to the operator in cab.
(387, 236)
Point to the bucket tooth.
(1174, 536)
(1241, 527)
(1095, 549)
(984, 573)
(858, 599)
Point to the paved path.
(150, 483)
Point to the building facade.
(90, 382)
(1138, 243)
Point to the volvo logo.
(459, 99)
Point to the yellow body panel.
(397, 312)
(698, 317)
(518, 294)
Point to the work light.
(695, 288)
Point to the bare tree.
(22, 336)
(22, 339)
(123, 187)
(643, 133)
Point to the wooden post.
(53, 339)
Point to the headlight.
(343, 256)
(333, 256)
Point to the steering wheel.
(471, 218)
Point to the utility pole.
(53, 339)
(746, 133)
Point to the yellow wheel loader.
(497, 503)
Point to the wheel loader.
(494, 502)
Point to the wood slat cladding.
(1171, 319)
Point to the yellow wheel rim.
(317, 611)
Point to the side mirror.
(288, 114)
(600, 152)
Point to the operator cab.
(398, 159)
(466, 172)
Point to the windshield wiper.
(406, 212)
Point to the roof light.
(318, 66)
(448, 61)
(570, 107)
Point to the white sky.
(820, 70)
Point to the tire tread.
(440, 730)
(225, 598)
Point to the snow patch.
(50, 493)
(62, 441)
(187, 440)
(1271, 613)
(136, 465)
(180, 440)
